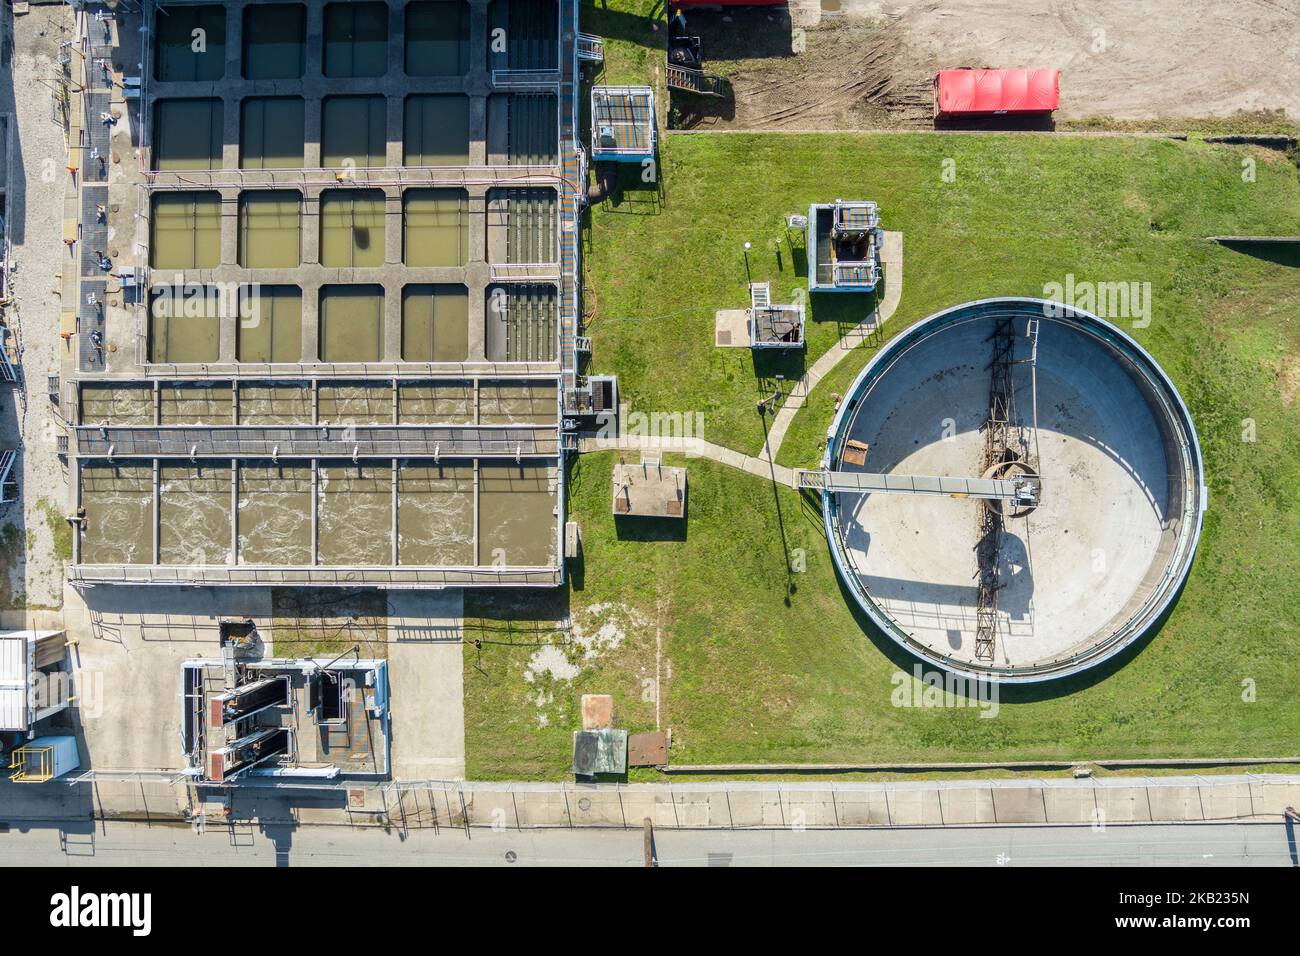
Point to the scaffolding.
(997, 450)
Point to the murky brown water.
(273, 332)
(117, 404)
(354, 131)
(436, 130)
(271, 132)
(435, 323)
(517, 515)
(352, 323)
(354, 520)
(352, 228)
(509, 403)
(270, 229)
(450, 403)
(356, 39)
(435, 227)
(278, 404)
(274, 514)
(184, 331)
(185, 232)
(437, 38)
(274, 41)
(175, 58)
(194, 509)
(355, 403)
(196, 404)
(118, 501)
(188, 134)
(435, 515)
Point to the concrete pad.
(1070, 804)
(859, 808)
(638, 806)
(915, 808)
(1175, 803)
(1271, 799)
(810, 809)
(1019, 805)
(686, 809)
(491, 808)
(731, 329)
(743, 808)
(597, 711)
(597, 806)
(1227, 802)
(425, 672)
(127, 665)
(967, 805)
(1123, 804)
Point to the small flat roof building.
(649, 489)
(34, 683)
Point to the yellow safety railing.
(32, 764)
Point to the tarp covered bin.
(995, 92)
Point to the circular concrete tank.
(1084, 573)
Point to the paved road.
(127, 844)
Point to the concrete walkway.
(422, 804)
(693, 447)
(891, 257)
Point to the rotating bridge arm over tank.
(1023, 490)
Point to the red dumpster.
(995, 92)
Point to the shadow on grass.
(630, 193)
(846, 309)
(1033, 123)
(1268, 250)
(641, 528)
(597, 18)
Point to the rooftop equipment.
(594, 398)
(773, 326)
(845, 239)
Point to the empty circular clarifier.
(1118, 462)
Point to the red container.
(996, 92)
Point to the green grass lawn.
(758, 664)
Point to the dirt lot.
(870, 64)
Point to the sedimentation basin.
(1084, 574)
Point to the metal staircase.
(591, 49)
(695, 81)
(8, 483)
